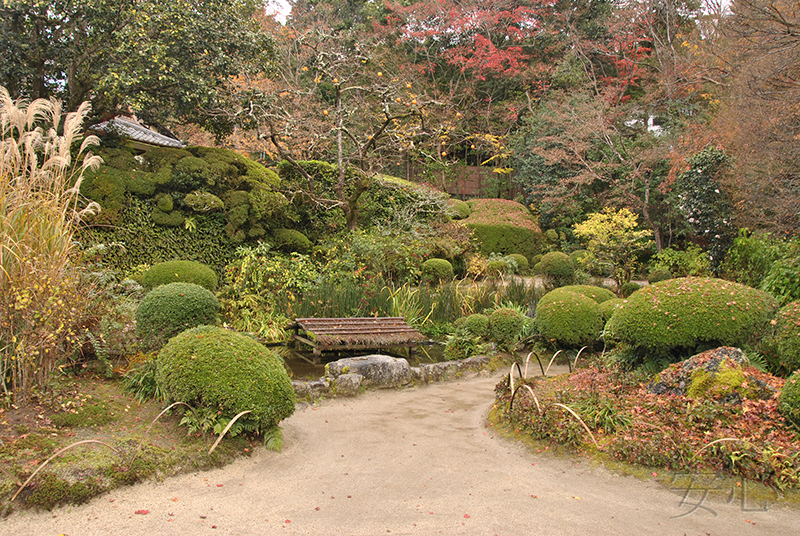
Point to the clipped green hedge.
(608, 307)
(558, 268)
(787, 336)
(180, 272)
(568, 319)
(505, 327)
(291, 241)
(477, 324)
(598, 294)
(789, 399)
(676, 316)
(169, 309)
(437, 270)
(502, 226)
(215, 368)
(629, 288)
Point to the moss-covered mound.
(291, 241)
(169, 309)
(180, 272)
(673, 317)
(503, 226)
(787, 336)
(568, 319)
(211, 367)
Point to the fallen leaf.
(142, 512)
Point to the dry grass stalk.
(40, 208)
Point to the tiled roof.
(136, 132)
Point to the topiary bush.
(786, 340)
(522, 262)
(789, 400)
(567, 318)
(291, 241)
(581, 258)
(659, 274)
(503, 226)
(496, 268)
(557, 267)
(476, 324)
(227, 372)
(672, 318)
(609, 306)
(437, 270)
(169, 309)
(180, 272)
(629, 288)
(598, 294)
(505, 327)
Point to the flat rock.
(377, 370)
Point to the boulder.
(376, 370)
(722, 374)
(347, 384)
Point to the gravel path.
(412, 461)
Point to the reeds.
(39, 213)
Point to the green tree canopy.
(158, 59)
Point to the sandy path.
(415, 461)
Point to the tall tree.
(158, 59)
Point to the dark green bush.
(558, 269)
(629, 288)
(672, 318)
(505, 327)
(566, 318)
(783, 279)
(218, 369)
(169, 309)
(505, 227)
(458, 209)
(522, 263)
(789, 400)
(476, 324)
(598, 294)
(787, 336)
(659, 274)
(291, 241)
(180, 272)
(437, 270)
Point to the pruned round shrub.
(629, 288)
(212, 367)
(291, 241)
(437, 270)
(180, 272)
(787, 336)
(789, 399)
(458, 209)
(522, 262)
(609, 306)
(505, 327)
(496, 267)
(672, 318)
(476, 324)
(659, 274)
(566, 318)
(598, 294)
(169, 309)
(558, 268)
